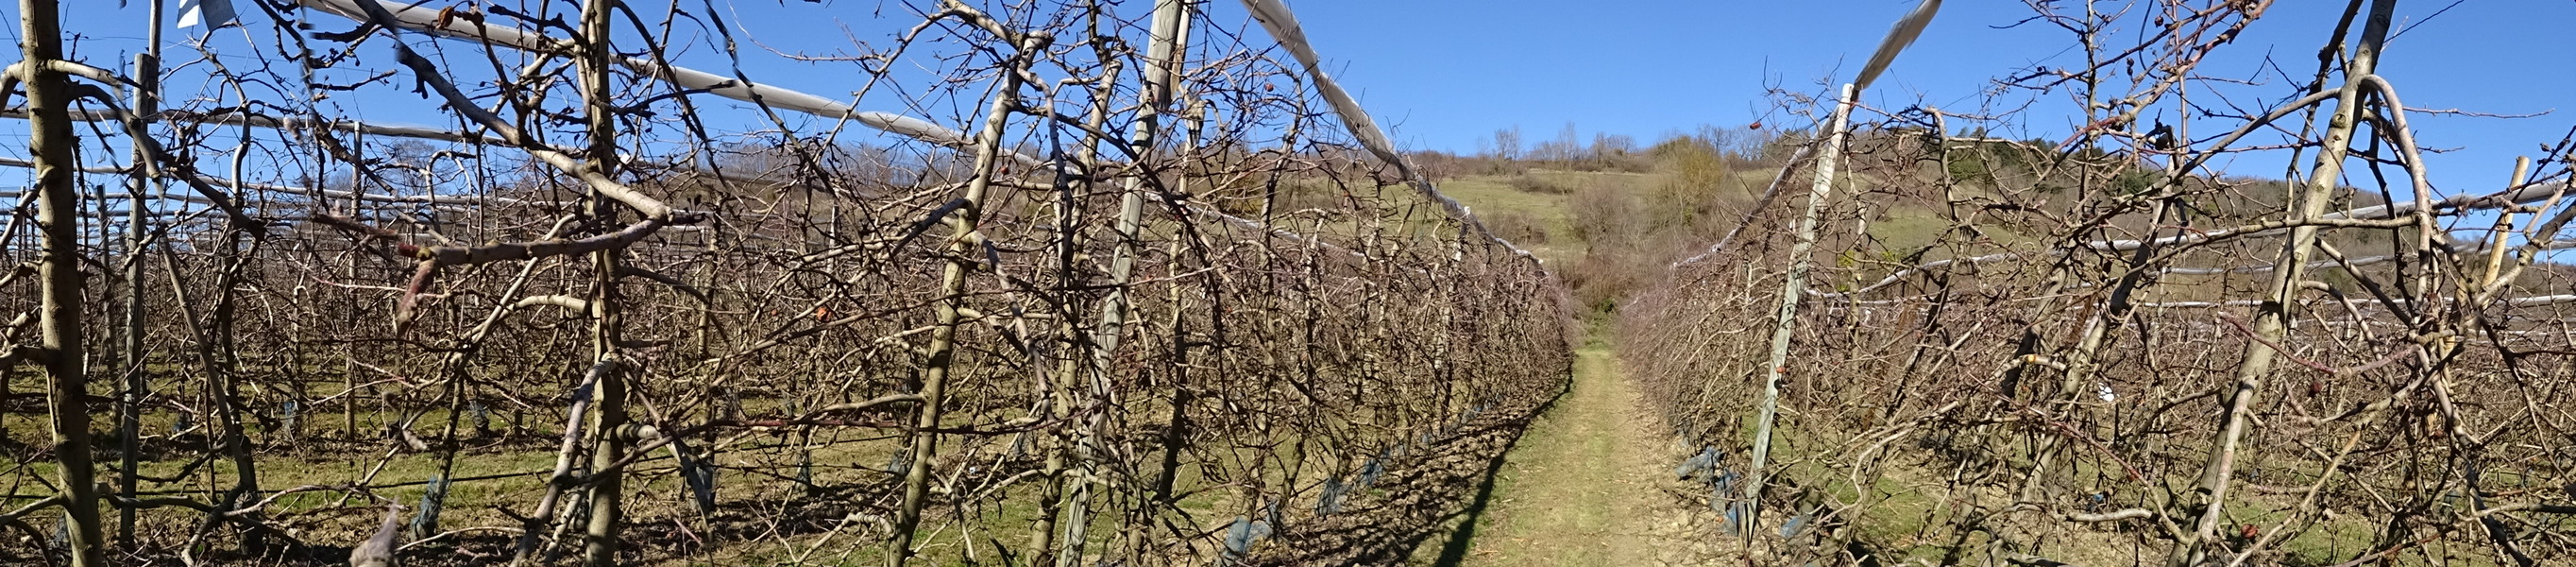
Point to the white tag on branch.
(213, 13)
(2105, 392)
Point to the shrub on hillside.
(1606, 216)
(1695, 175)
(1517, 227)
(1532, 183)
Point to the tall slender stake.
(1170, 18)
(1786, 326)
(138, 384)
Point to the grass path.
(1580, 489)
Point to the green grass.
(1574, 490)
(1492, 197)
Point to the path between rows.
(1581, 487)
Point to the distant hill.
(1611, 219)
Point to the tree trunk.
(2271, 320)
(924, 449)
(50, 143)
(607, 488)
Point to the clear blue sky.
(1445, 75)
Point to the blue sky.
(1445, 75)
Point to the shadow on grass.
(1454, 552)
(1430, 492)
